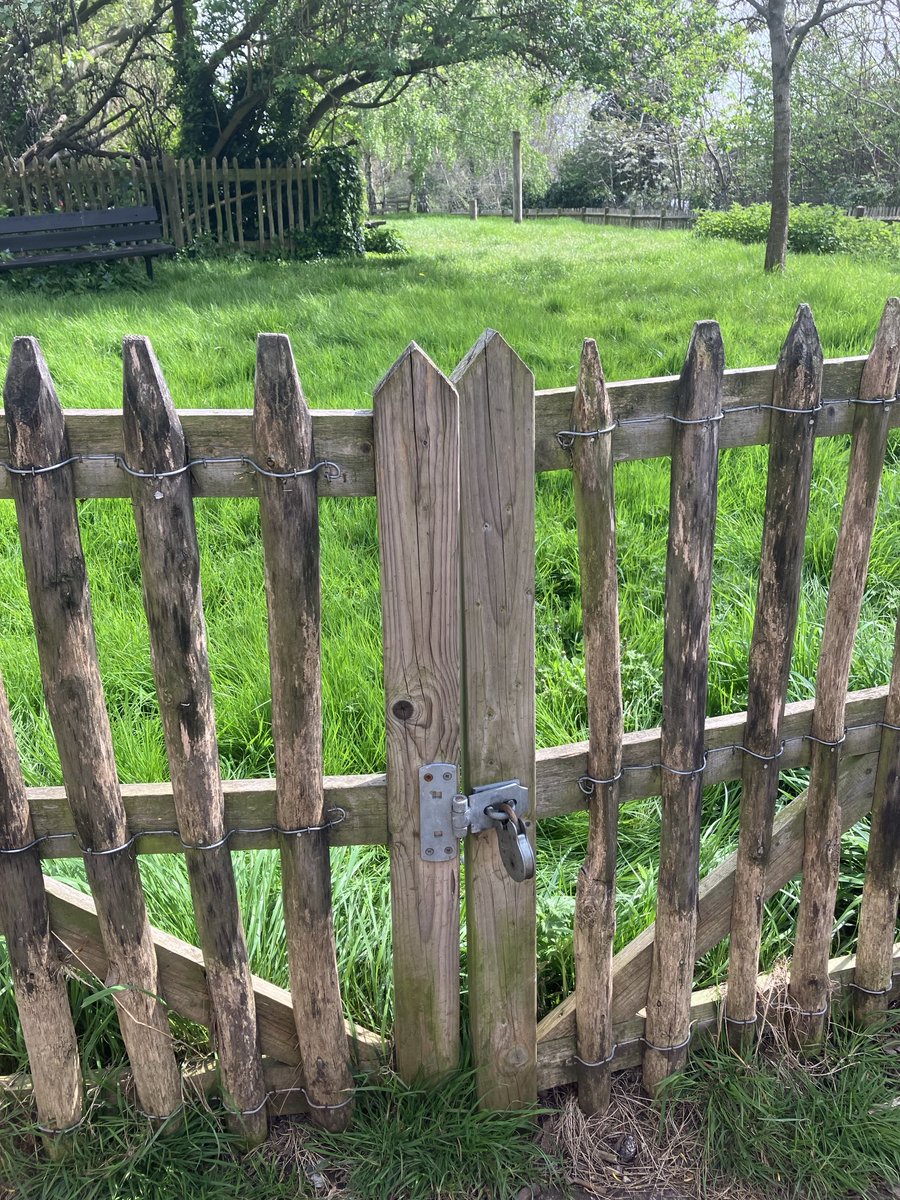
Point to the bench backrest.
(88, 228)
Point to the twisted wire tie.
(875, 991)
(587, 783)
(669, 1049)
(272, 1094)
(340, 815)
(566, 437)
(601, 1062)
(332, 470)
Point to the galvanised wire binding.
(338, 819)
(587, 783)
(797, 1012)
(566, 437)
(332, 470)
(272, 1094)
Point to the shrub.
(382, 239)
(338, 232)
(813, 229)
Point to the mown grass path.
(545, 286)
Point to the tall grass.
(545, 286)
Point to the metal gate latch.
(446, 817)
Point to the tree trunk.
(776, 248)
(370, 186)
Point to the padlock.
(516, 852)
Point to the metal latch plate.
(437, 788)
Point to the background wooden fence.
(463, 494)
(252, 208)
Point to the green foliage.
(76, 279)
(433, 1143)
(383, 239)
(338, 232)
(814, 229)
(348, 320)
(618, 160)
(823, 1129)
(119, 1155)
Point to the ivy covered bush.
(814, 229)
(338, 232)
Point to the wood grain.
(692, 523)
(496, 395)
(631, 966)
(290, 532)
(821, 859)
(61, 607)
(595, 908)
(345, 435)
(173, 601)
(74, 923)
(417, 464)
(39, 984)
(556, 1064)
(797, 387)
(250, 803)
(881, 885)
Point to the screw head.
(429, 850)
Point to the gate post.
(416, 414)
(496, 396)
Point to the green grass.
(819, 1130)
(545, 286)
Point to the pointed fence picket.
(453, 465)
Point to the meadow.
(545, 286)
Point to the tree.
(77, 78)
(788, 28)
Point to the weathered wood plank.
(496, 393)
(631, 966)
(39, 984)
(238, 206)
(692, 522)
(595, 909)
(173, 602)
(417, 457)
(345, 435)
(821, 859)
(73, 921)
(60, 602)
(881, 886)
(260, 207)
(290, 533)
(797, 388)
(250, 803)
(556, 1064)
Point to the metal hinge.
(446, 817)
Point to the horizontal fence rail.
(221, 441)
(437, 453)
(251, 208)
(356, 805)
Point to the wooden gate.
(452, 462)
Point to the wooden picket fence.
(249, 208)
(882, 212)
(630, 218)
(452, 462)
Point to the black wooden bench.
(93, 235)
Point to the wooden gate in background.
(454, 461)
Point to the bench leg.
(149, 264)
